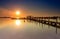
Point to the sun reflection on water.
(18, 22)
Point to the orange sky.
(34, 8)
(25, 12)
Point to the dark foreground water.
(20, 29)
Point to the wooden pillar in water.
(42, 22)
(56, 24)
(48, 22)
(39, 21)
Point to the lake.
(26, 29)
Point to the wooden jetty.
(43, 21)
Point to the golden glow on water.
(18, 22)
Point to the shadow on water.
(38, 23)
(43, 25)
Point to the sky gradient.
(30, 7)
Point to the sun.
(17, 12)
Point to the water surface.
(25, 29)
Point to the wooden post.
(56, 24)
(48, 22)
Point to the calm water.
(23, 29)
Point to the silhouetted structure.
(43, 21)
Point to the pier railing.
(44, 21)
